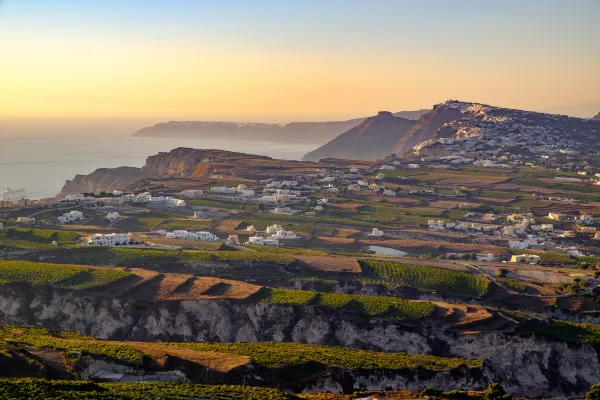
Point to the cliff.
(526, 364)
(597, 117)
(187, 163)
(372, 139)
(293, 132)
(106, 179)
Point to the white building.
(376, 232)
(143, 197)
(586, 219)
(185, 235)
(223, 190)
(25, 220)
(172, 202)
(526, 258)
(251, 228)
(436, 225)
(354, 170)
(263, 241)
(283, 234)
(274, 228)
(387, 167)
(117, 193)
(233, 239)
(414, 166)
(71, 216)
(111, 239)
(192, 193)
(75, 197)
(380, 176)
(556, 216)
(112, 216)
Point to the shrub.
(430, 391)
(496, 392)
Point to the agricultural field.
(37, 238)
(390, 307)
(68, 276)
(425, 278)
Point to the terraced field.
(69, 276)
(425, 278)
(389, 307)
(36, 239)
(265, 354)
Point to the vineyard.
(41, 389)
(37, 239)
(71, 276)
(266, 354)
(425, 278)
(286, 250)
(390, 307)
(274, 355)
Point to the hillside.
(597, 117)
(294, 132)
(187, 163)
(503, 134)
(370, 140)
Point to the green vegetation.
(426, 278)
(389, 307)
(286, 250)
(37, 239)
(593, 393)
(227, 205)
(559, 330)
(41, 389)
(513, 284)
(274, 355)
(72, 276)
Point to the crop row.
(41, 389)
(72, 276)
(391, 307)
(426, 278)
(267, 354)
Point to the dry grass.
(228, 226)
(332, 241)
(448, 204)
(344, 233)
(347, 206)
(330, 264)
(214, 288)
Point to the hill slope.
(483, 131)
(597, 117)
(372, 139)
(294, 132)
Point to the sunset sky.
(291, 60)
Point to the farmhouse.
(110, 240)
(112, 216)
(263, 241)
(185, 235)
(71, 216)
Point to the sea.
(42, 165)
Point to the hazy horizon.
(265, 61)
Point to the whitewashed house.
(172, 202)
(413, 166)
(387, 167)
(261, 241)
(436, 225)
(376, 232)
(112, 216)
(526, 258)
(556, 216)
(110, 240)
(25, 221)
(71, 216)
(185, 235)
(251, 228)
(117, 193)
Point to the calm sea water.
(41, 165)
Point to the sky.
(291, 60)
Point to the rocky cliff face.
(527, 365)
(106, 179)
(179, 162)
(372, 139)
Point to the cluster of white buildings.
(239, 190)
(185, 235)
(110, 239)
(120, 198)
(273, 235)
(25, 221)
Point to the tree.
(496, 392)
(594, 393)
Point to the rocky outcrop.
(372, 139)
(525, 364)
(106, 179)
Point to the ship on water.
(13, 194)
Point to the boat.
(13, 194)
